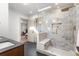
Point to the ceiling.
(30, 9)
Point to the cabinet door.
(21, 50)
(18, 51)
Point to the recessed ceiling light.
(25, 3)
(44, 8)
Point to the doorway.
(24, 30)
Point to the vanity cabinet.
(17, 51)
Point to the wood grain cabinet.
(18, 51)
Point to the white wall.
(4, 20)
(10, 26)
(15, 24)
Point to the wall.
(64, 38)
(14, 25)
(77, 23)
(4, 20)
(10, 26)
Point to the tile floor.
(30, 50)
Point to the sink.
(5, 45)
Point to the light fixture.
(32, 28)
(25, 3)
(44, 8)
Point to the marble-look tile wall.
(77, 23)
(64, 38)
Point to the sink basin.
(5, 45)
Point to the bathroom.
(52, 28)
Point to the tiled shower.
(60, 27)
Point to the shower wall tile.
(64, 37)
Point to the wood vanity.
(17, 51)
